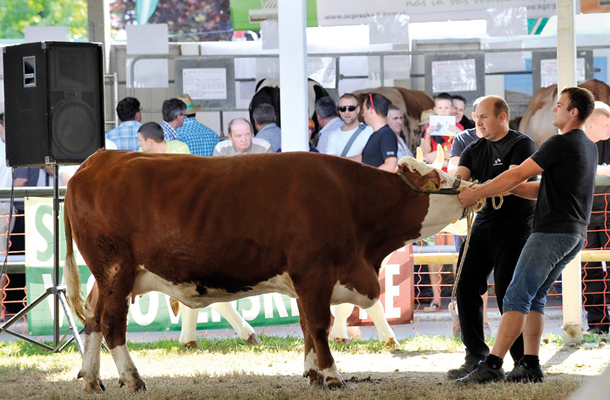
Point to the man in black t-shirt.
(595, 277)
(381, 148)
(497, 236)
(568, 163)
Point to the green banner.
(150, 312)
(240, 14)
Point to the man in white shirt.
(349, 140)
(326, 114)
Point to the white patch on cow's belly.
(187, 293)
(342, 294)
(444, 209)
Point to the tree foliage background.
(187, 20)
(15, 15)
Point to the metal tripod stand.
(57, 291)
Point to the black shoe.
(523, 374)
(483, 373)
(598, 329)
(461, 372)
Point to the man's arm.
(464, 172)
(502, 183)
(389, 164)
(527, 190)
(452, 167)
(357, 158)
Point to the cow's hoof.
(95, 387)
(191, 345)
(313, 377)
(334, 383)
(341, 340)
(139, 386)
(391, 342)
(253, 340)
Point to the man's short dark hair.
(128, 108)
(172, 108)
(350, 96)
(459, 97)
(264, 114)
(326, 107)
(379, 103)
(2, 119)
(581, 99)
(151, 130)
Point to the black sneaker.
(483, 373)
(523, 374)
(598, 330)
(461, 372)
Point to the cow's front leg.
(310, 368)
(317, 315)
(90, 371)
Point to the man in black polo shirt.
(381, 148)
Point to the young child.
(443, 104)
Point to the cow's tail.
(72, 275)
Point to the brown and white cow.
(537, 120)
(209, 229)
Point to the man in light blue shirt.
(125, 136)
(264, 120)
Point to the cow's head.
(427, 178)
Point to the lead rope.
(470, 214)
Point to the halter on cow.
(210, 229)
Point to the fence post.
(572, 303)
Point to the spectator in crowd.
(125, 136)
(326, 113)
(174, 114)
(200, 139)
(395, 122)
(568, 164)
(381, 148)
(151, 138)
(498, 235)
(264, 120)
(443, 104)
(349, 140)
(241, 141)
(595, 279)
(459, 106)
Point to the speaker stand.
(57, 291)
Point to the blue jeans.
(543, 258)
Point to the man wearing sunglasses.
(349, 140)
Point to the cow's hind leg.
(90, 371)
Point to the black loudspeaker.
(54, 106)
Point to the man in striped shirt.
(199, 138)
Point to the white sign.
(440, 125)
(548, 71)
(205, 83)
(454, 76)
(359, 11)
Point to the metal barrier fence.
(439, 250)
